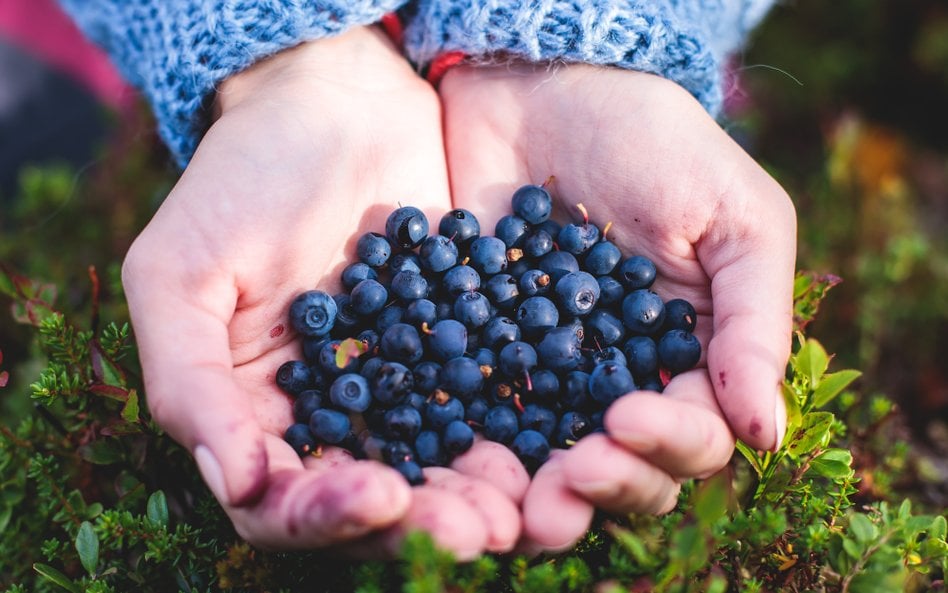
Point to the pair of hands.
(317, 145)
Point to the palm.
(639, 152)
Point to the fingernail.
(211, 471)
(780, 420)
(598, 489)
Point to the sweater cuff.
(658, 37)
(178, 51)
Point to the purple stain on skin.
(257, 463)
(755, 427)
(277, 331)
(722, 377)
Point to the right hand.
(311, 148)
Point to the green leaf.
(862, 528)
(349, 349)
(157, 508)
(833, 463)
(102, 452)
(711, 498)
(812, 433)
(87, 545)
(938, 528)
(56, 577)
(832, 385)
(853, 549)
(104, 369)
(792, 404)
(130, 410)
(812, 361)
(905, 509)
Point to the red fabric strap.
(440, 65)
(394, 29)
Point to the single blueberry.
(460, 226)
(572, 426)
(421, 312)
(499, 331)
(609, 381)
(637, 272)
(536, 316)
(537, 244)
(404, 261)
(532, 203)
(294, 377)
(578, 238)
(300, 438)
(401, 343)
(535, 282)
(488, 255)
(438, 254)
(512, 230)
(442, 410)
(373, 249)
(402, 423)
(501, 424)
(457, 437)
(368, 297)
(538, 418)
(611, 291)
(411, 471)
(357, 272)
(406, 227)
(679, 350)
(558, 263)
(461, 279)
(517, 358)
(447, 339)
(602, 258)
(409, 285)
(603, 328)
(428, 449)
(472, 309)
(351, 393)
(427, 375)
(560, 350)
(462, 377)
(329, 426)
(305, 404)
(531, 448)
(313, 313)
(577, 293)
(643, 311)
(502, 291)
(389, 316)
(680, 314)
(391, 384)
(641, 354)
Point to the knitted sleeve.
(177, 51)
(686, 41)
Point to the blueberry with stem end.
(313, 313)
(406, 227)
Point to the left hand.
(639, 151)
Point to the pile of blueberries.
(526, 336)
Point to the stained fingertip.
(496, 464)
(554, 516)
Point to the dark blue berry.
(680, 314)
(294, 376)
(428, 451)
(545, 386)
(462, 377)
(611, 291)
(401, 343)
(537, 244)
(411, 471)
(560, 350)
(531, 448)
(373, 249)
(637, 272)
(313, 313)
(329, 426)
(512, 230)
(488, 255)
(602, 258)
(408, 285)
(357, 272)
(421, 312)
(572, 427)
(500, 424)
(532, 203)
(517, 358)
(447, 339)
(438, 254)
(558, 263)
(608, 354)
(391, 384)
(641, 354)
(485, 357)
(305, 404)
(370, 339)
(460, 226)
(457, 437)
(499, 331)
(351, 393)
(536, 316)
(395, 452)
(368, 297)
(300, 438)
(575, 392)
(502, 291)
(538, 418)
(461, 279)
(679, 351)
(443, 409)
(472, 309)
(328, 362)
(406, 227)
(476, 410)
(427, 376)
(312, 346)
(551, 227)
(578, 238)
(371, 366)
(603, 328)
(643, 311)
(404, 261)
(389, 316)
(402, 423)
(535, 282)
(609, 381)
(577, 293)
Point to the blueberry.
(462, 377)
(609, 381)
(300, 438)
(538, 418)
(347, 320)
(608, 354)
(357, 272)
(572, 427)
(578, 238)
(577, 293)
(294, 376)
(531, 448)
(502, 291)
(405, 261)
(417, 401)
(517, 358)
(401, 343)
(351, 393)
(643, 311)
(611, 291)
(389, 316)
(461, 279)
(411, 471)
(558, 263)
(485, 357)
(460, 226)
(603, 328)
(679, 350)
(575, 392)
(329, 426)
(680, 314)
(395, 452)
(427, 376)
(537, 244)
(536, 316)
(476, 410)
(488, 255)
(313, 313)
(512, 230)
(438, 254)
(391, 384)
(532, 203)
(545, 386)
(370, 339)
(373, 249)
(447, 339)
(602, 258)
(305, 404)
(420, 312)
(641, 354)
(500, 424)
(551, 227)
(406, 227)
(560, 350)
(402, 423)
(472, 309)
(312, 346)
(328, 363)
(428, 449)
(408, 285)
(500, 330)
(368, 297)
(457, 438)
(443, 409)
(637, 272)
(535, 282)
(371, 366)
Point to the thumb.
(188, 371)
(749, 254)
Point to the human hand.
(639, 151)
(311, 148)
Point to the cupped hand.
(310, 149)
(640, 152)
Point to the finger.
(497, 465)
(554, 516)
(609, 476)
(680, 431)
(751, 266)
(306, 509)
(501, 516)
(185, 355)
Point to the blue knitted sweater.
(177, 51)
